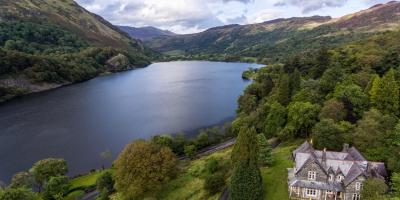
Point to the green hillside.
(281, 38)
(46, 43)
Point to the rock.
(119, 63)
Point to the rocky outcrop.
(119, 62)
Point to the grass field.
(275, 177)
(79, 184)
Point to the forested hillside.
(46, 44)
(145, 33)
(278, 39)
(349, 94)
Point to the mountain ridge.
(274, 38)
(145, 33)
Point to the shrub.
(214, 183)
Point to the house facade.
(328, 175)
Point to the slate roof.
(349, 162)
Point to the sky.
(191, 16)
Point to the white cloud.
(188, 16)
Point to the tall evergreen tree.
(265, 151)
(384, 93)
(295, 81)
(246, 182)
(283, 90)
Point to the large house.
(328, 175)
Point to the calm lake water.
(80, 121)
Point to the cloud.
(311, 5)
(183, 16)
(188, 16)
(242, 1)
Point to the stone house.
(328, 175)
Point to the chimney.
(345, 148)
(324, 157)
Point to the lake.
(80, 121)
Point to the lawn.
(79, 184)
(275, 177)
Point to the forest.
(44, 53)
(348, 94)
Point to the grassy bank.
(82, 183)
(275, 177)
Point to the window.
(311, 192)
(358, 186)
(355, 197)
(331, 177)
(312, 175)
(340, 178)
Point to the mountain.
(45, 44)
(281, 38)
(145, 33)
(69, 15)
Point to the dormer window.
(331, 177)
(312, 175)
(340, 178)
(358, 186)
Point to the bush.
(56, 187)
(17, 194)
(212, 165)
(105, 184)
(190, 151)
(214, 183)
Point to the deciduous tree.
(143, 166)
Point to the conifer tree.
(265, 150)
(283, 90)
(246, 182)
(384, 93)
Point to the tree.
(143, 166)
(163, 140)
(384, 93)
(372, 134)
(396, 184)
(265, 151)
(353, 98)
(301, 117)
(178, 144)
(190, 151)
(246, 181)
(330, 78)
(22, 180)
(309, 92)
(266, 83)
(374, 188)
(202, 140)
(17, 194)
(295, 81)
(43, 170)
(328, 134)
(275, 120)
(56, 187)
(247, 103)
(105, 184)
(283, 90)
(333, 109)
